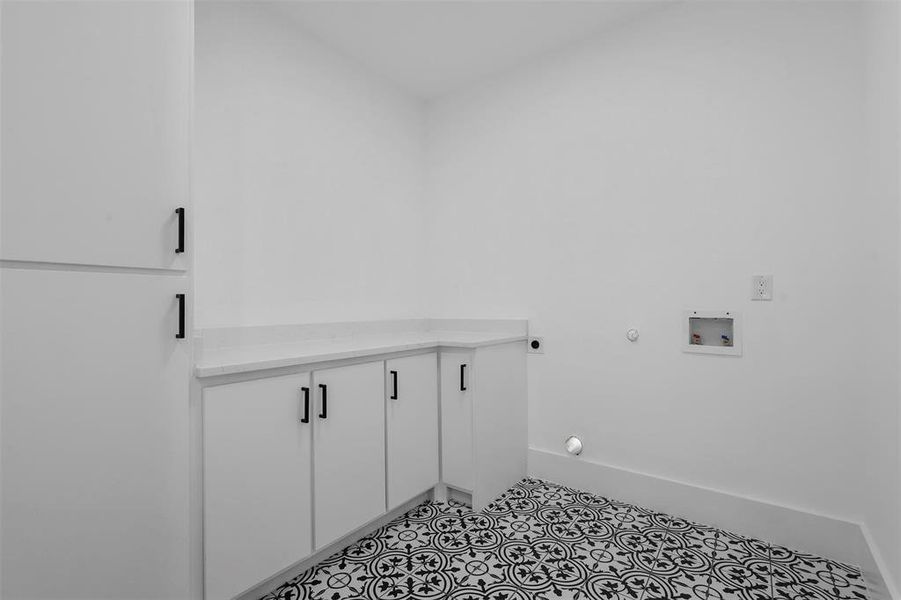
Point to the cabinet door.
(94, 436)
(412, 419)
(349, 455)
(95, 108)
(257, 496)
(456, 420)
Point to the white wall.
(881, 465)
(610, 185)
(308, 178)
(658, 168)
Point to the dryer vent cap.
(573, 445)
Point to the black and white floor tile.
(542, 541)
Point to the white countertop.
(244, 358)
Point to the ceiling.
(433, 47)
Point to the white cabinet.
(95, 122)
(349, 449)
(456, 420)
(257, 439)
(484, 421)
(277, 489)
(94, 109)
(290, 464)
(412, 426)
(94, 436)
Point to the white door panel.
(257, 481)
(349, 455)
(94, 436)
(456, 420)
(95, 121)
(412, 418)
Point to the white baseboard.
(880, 588)
(790, 527)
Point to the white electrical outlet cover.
(762, 287)
(536, 345)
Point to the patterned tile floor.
(542, 541)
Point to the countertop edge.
(206, 371)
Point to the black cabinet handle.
(394, 376)
(181, 230)
(463, 377)
(306, 405)
(324, 413)
(181, 316)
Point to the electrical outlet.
(536, 345)
(762, 287)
